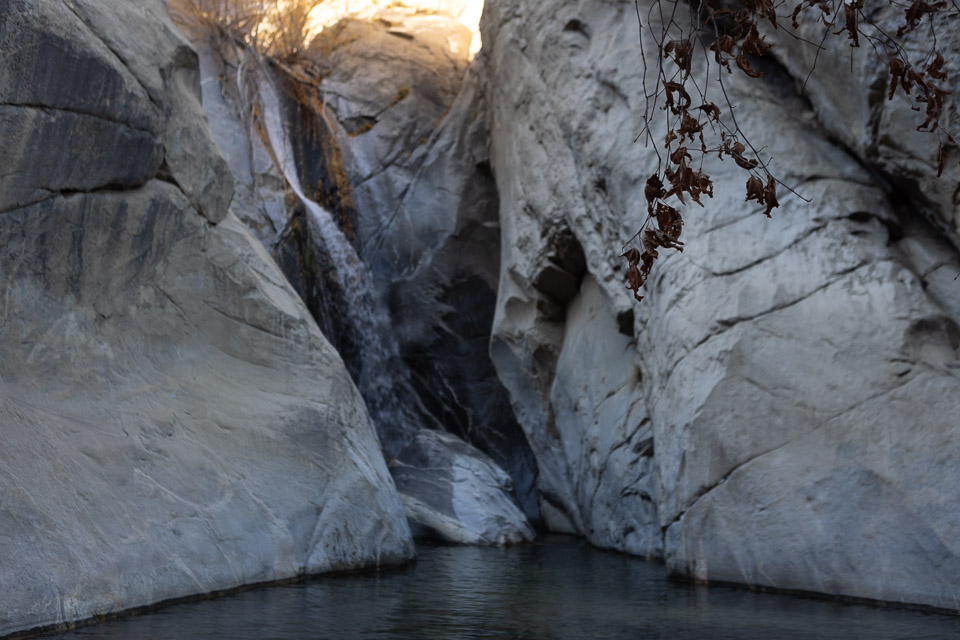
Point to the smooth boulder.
(452, 492)
(172, 421)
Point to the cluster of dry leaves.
(730, 37)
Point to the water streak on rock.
(379, 372)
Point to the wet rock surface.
(426, 223)
(453, 492)
(423, 208)
(391, 140)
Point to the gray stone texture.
(392, 137)
(172, 421)
(409, 118)
(799, 375)
(782, 409)
(453, 492)
(261, 199)
(850, 100)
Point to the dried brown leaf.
(744, 65)
(754, 44)
(851, 21)
(653, 190)
(680, 51)
(735, 149)
(934, 98)
(898, 69)
(677, 104)
(689, 127)
(723, 44)
(662, 239)
(679, 154)
(669, 220)
(755, 189)
(915, 12)
(770, 195)
(712, 111)
(700, 184)
(935, 68)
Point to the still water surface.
(558, 589)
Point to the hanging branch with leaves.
(727, 34)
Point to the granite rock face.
(410, 120)
(781, 409)
(46, 100)
(389, 135)
(172, 421)
(851, 100)
(799, 375)
(604, 435)
(261, 199)
(453, 492)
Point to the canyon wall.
(389, 232)
(384, 285)
(778, 411)
(172, 421)
(782, 407)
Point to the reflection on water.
(560, 588)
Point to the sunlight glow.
(467, 12)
